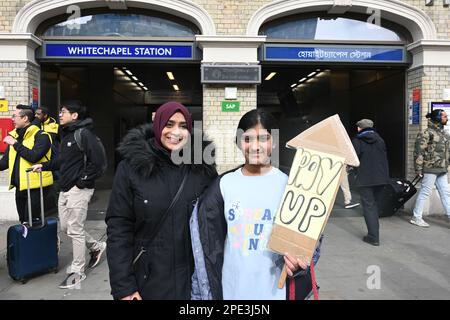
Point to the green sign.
(230, 106)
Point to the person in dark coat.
(372, 174)
(148, 247)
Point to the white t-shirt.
(250, 204)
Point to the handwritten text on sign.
(309, 194)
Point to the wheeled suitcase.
(395, 194)
(32, 249)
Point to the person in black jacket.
(78, 167)
(27, 145)
(149, 252)
(372, 174)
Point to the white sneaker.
(351, 205)
(72, 280)
(419, 222)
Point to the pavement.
(410, 263)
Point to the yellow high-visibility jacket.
(28, 142)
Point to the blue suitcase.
(32, 249)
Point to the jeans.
(429, 180)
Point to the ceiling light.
(128, 72)
(134, 78)
(293, 85)
(141, 84)
(301, 80)
(318, 70)
(271, 75)
(145, 88)
(312, 74)
(176, 87)
(170, 75)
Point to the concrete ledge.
(8, 210)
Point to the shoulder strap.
(78, 140)
(162, 218)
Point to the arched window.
(119, 24)
(333, 28)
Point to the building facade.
(232, 40)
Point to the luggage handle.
(416, 180)
(30, 215)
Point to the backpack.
(78, 140)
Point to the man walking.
(431, 160)
(27, 145)
(80, 162)
(373, 174)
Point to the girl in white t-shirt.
(233, 220)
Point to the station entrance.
(120, 96)
(301, 96)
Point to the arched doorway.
(122, 65)
(123, 61)
(316, 63)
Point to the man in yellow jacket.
(49, 125)
(27, 145)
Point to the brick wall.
(18, 78)
(232, 16)
(415, 78)
(438, 14)
(8, 11)
(431, 81)
(221, 126)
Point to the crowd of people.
(40, 143)
(176, 230)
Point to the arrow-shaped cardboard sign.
(316, 172)
(327, 136)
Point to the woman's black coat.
(145, 183)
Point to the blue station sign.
(115, 50)
(335, 53)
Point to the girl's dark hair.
(435, 115)
(253, 118)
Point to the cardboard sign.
(316, 172)
(307, 201)
(327, 136)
